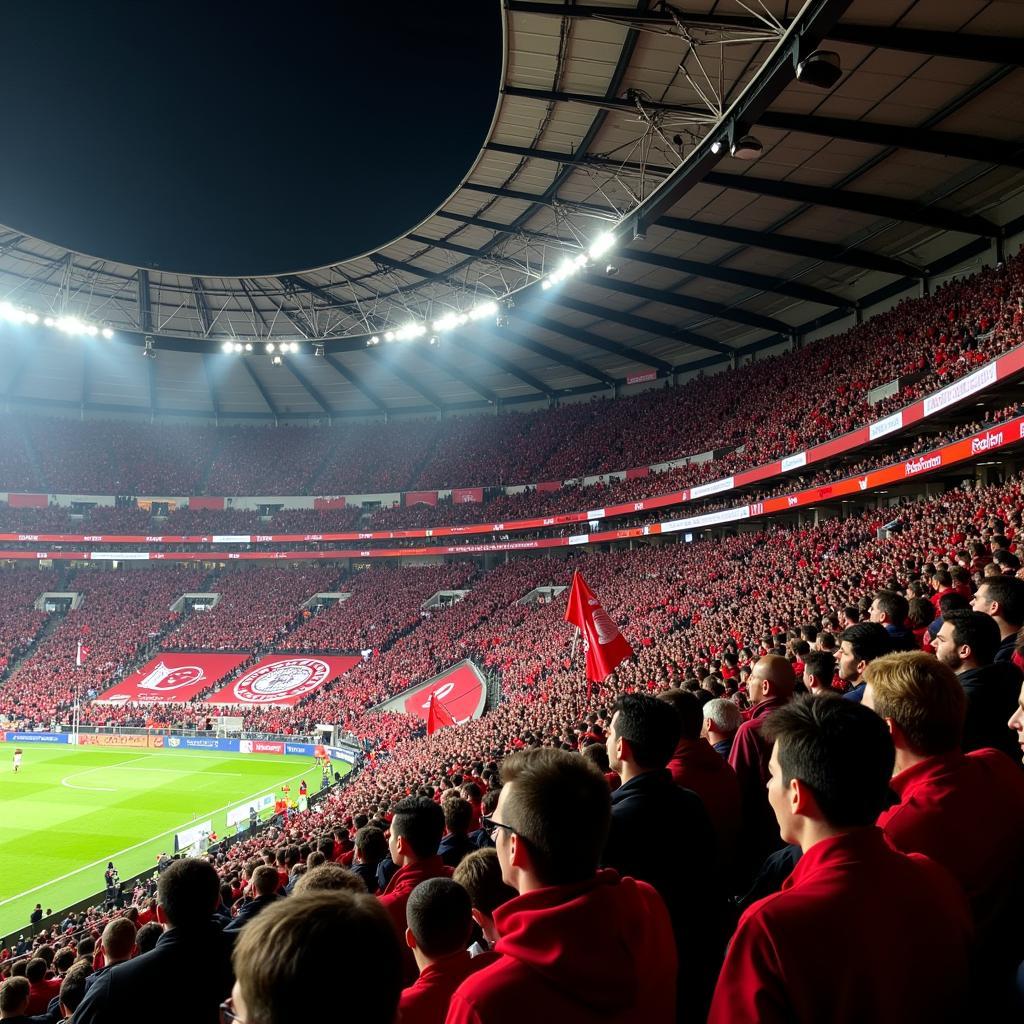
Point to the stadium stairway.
(52, 621)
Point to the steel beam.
(356, 381)
(202, 306)
(540, 349)
(502, 364)
(595, 341)
(389, 362)
(145, 308)
(208, 373)
(434, 355)
(264, 394)
(310, 387)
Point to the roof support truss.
(311, 388)
(356, 381)
(502, 364)
(554, 355)
(390, 362)
(264, 394)
(435, 356)
(208, 373)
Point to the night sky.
(240, 138)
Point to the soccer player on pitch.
(17, 759)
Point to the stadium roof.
(619, 118)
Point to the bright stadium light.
(238, 346)
(248, 346)
(601, 245)
(49, 322)
(483, 311)
(374, 340)
(227, 347)
(293, 347)
(107, 333)
(389, 336)
(269, 346)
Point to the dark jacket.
(185, 977)
(1004, 652)
(992, 692)
(368, 873)
(658, 827)
(454, 847)
(247, 911)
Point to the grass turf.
(69, 810)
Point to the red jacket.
(426, 1000)
(597, 951)
(40, 994)
(749, 758)
(396, 896)
(697, 766)
(905, 932)
(965, 811)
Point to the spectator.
(479, 874)
(695, 766)
(890, 610)
(42, 988)
(263, 892)
(458, 817)
(192, 947)
(14, 999)
(652, 815)
(967, 642)
(770, 687)
(964, 811)
(721, 720)
(830, 767)
(371, 847)
(147, 936)
(819, 672)
(552, 821)
(296, 957)
(330, 878)
(439, 925)
(72, 991)
(415, 836)
(118, 943)
(859, 645)
(1002, 597)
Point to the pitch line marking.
(99, 767)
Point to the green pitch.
(69, 810)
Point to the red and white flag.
(605, 645)
(438, 716)
(81, 654)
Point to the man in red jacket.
(416, 830)
(904, 923)
(965, 811)
(769, 687)
(440, 919)
(577, 945)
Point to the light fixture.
(747, 147)
(269, 346)
(293, 348)
(238, 346)
(822, 68)
(601, 245)
(483, 310)
(374, 340)
(107, 333)
(248, 346)
(389, 336)
(148, 351)
(318, 350)
(716, 147)
(227, 347)
(433, 339)
(276, 361)
(611, 270)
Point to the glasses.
(492, 826)
(228, 1015)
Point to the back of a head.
(14, 993)
(1008, 591)
(419, 821)
(689, 710)
(479, 873)
(265, 880)
(329, 878)
(867, 640)
(292, 960)
(72, 988)
(188, 892)
(840, 750)
(439, 915)
(118, 939)
(35, 970)
(560, 805)
(921, 696)
(779, 672)
(821, 665)
(458, 815)
(723, 715)
(148, 936)
(371, 844)
(650, 726)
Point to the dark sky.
(237, 137)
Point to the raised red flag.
(438, 716)
(605, 645)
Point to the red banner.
(459, 690)
(27, 500)
(214, 504)
(172, 678)
(322, 504)
(638, 473)
(606, 647)
(547, 486)
(260, 747)
(282, 679)
(420, 498)
(463, 494)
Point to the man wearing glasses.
(577, 945)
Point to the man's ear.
(519, 855)
(623, 749)
(410, 939)
(801, 799)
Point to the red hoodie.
(395, 897)
(426, 1000)
(697, 766)
(597, 951)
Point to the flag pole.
(576, 636)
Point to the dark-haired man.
(967, 642)
(416, 829)
(1002, 597)
(830, 767)
(819, 671)
(186, 975)
(859, 645)
(577, 945)
(890, 609)
(263, 892)
(440, 921)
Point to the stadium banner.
(299, 749)
(322, 504)
(281, 679)
(420, 498)
(344, 753)
(172, 678)
(461, 690)
(103, 739)
(212, 504)
(260, 747)
(241, 813)
(192, 836)
(461, 495)
(27, 500)
(200, 743)
(36, 737)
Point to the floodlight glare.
(269, 346)
(107, 333)
(248, 346)
(484, 310)
(227, 347)
(602, 244)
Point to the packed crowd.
(924, 343)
